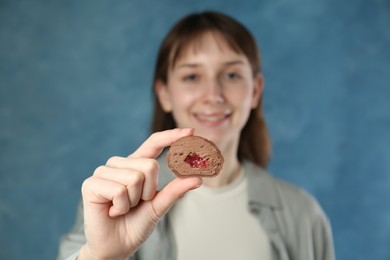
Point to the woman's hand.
(121, 203)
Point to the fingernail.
(194, 188)
(197, 186)
(187, 130)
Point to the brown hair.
(254, 140)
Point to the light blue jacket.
(295, 223)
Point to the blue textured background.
(75, 89)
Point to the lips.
(212, 118)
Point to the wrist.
(86, 254)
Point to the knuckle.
(99, 170)
(121, 190)
(153, 136)
(112, 159)
(154, 214)
(85, 185)
(152, 165)
(138, 178)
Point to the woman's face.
(212, 89)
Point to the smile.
(213, 119)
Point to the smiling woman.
(216, 106)
(212, 89)
(207, 82)
(226, 36)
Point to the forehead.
(200, 42)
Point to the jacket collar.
(262, 188)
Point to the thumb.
(171, 193)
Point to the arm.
(71, 242)
(322, 237)
(121, 204)
(314, 237)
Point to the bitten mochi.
(194, 156)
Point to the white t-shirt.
(216, 224)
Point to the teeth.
(212, 118)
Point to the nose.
(214, 92)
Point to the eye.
(232, 76)
(191, 78)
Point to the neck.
(231, 168)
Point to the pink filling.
(195, 161)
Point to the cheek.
(182, 94)
(181, 100)
(241, 97)
(181, 108)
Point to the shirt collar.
(262, 190)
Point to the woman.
(207, 82)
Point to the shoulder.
(293, 212)
(296, 198)
(279, 193)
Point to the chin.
(217, 137)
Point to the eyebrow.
(194, 65)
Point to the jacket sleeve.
(314, 237)
(322, 236)
(303, 225)
(71, 242)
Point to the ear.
(258, 86)
(163, 96)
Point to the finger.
(154, 145)
(149, 167)
(103, 195)
(133, 180)
(171, 193)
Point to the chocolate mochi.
(194, 156)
